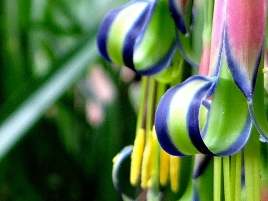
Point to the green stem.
(237, 195)
(257, 174)
(160, 91)
(153, 191)
(150, 104)
(252, 167)
(226, 173)
(233, 176)
(142, 102)
(217, 178)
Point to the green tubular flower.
(139, 35)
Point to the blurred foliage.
(48, 149)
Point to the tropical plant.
(202, 119)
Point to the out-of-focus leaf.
(34, 107)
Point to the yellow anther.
(164, 167)
(174, 172)
(265, 70)
(136, 156)
(115, 158)
(148, 161)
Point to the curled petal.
(117, 161)
(229, 122)
(176, 117)
(245, 27)
(187, 124)
(117, 25)
(128, 36)
(155, 44)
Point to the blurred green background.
(64, 112)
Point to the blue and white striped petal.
(139, 35)
(186, 125)
(178, 117)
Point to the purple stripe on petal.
(185, 55)
(240, 75)
(164, 62)
(177, 16)
(201, 166)
(193, 117)
(206, 104)
(245, 28)
(103, 33)
(195, 192)
(161, 125)
(215, 62)
(131, 37)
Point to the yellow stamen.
(147, 162)
(265, 70)
(136, 156)
(115, 158)
(174, 172)
(155, 156)
(164, 167)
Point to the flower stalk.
(217, 178)
(217, 116)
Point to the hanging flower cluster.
(213, 113)
(226, 94)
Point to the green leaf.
(13, 128)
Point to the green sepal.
(229, 118)
(172, 73)
(257, 106)
(157, 40)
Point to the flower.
(128, 36)
(214, 118)
(209, 114)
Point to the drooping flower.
(139, 35)
(186, 122)
(218, 113)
